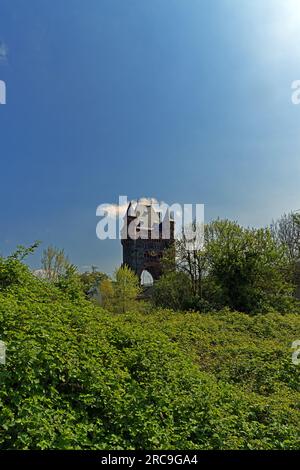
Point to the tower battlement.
(147, 233)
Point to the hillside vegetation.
(79, 377)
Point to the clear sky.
(183, 100)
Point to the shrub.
(77, 377)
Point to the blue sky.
(186, 101)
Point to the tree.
(173, 290)
(286, 232)
(250, 271)
(126, 289)
(107, 293)
(54, 263)
(242, 268)
(92, 280)
(190, 259)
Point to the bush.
(78, 377)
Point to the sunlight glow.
(287, 18)
(275, 29)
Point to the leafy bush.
(77, 377)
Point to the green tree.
(107, 293)
(286, 233)
(248, 268)
(173, 290)
(126, 289)
(91, 280)
(241, 268)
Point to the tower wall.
(145, 254)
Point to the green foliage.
(22, 251)
(77, 377)
(243, 269)
(58, 270)
(286, 233)
(173, 290)
(107, 293)
(125, 290)
(249, 269)
(91, 280)
(70, 283)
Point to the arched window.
(146, 278)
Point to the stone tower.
(145, 237)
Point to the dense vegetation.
(80, 377)
(246, 269)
